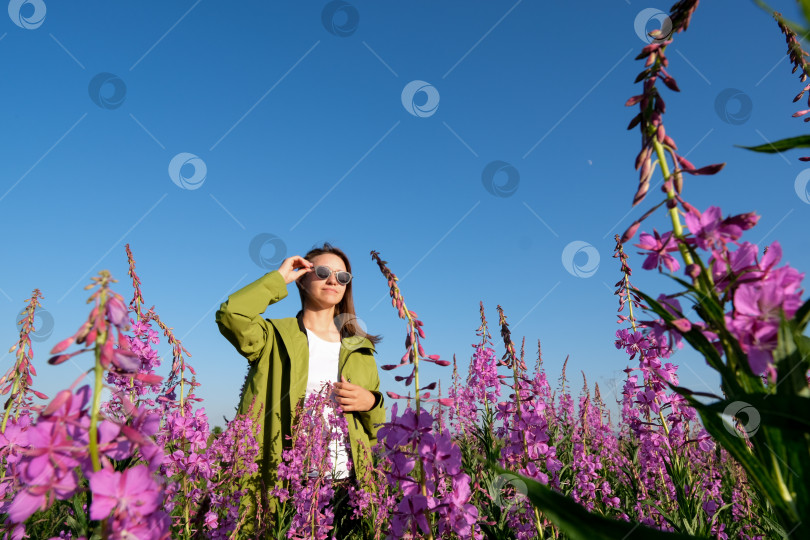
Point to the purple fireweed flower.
(758, 305)
(659, 247)
(131, 493)
(710, 230)
(727, 265)
(41, 487)
(14, 439)
(410, 513)
(410, 438)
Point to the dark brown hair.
(345, 307)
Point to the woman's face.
(327, 292)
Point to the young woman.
(291, 357)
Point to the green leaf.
(802, 316)
(709, 302)
(802, 141)
(791, 366)
(576, 522)
(782, 411)
(694, 336)
(758, 474)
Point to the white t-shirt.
(323, 367)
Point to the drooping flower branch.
(440, 491)
(655, 142)
(797, 57)
(18, 379)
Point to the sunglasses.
(323, 272)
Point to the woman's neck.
(321, 321)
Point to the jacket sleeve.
(240, 317)
(376, 415)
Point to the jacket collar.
(365, 342)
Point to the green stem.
(415, 349)
(677, 228)
(629, 301)
(96, 404)
(185, 508)
(8, 410)
(182, 380)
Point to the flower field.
(509, 451)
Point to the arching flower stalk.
(441, 492)
(108, 314)
(18, 378)
(655, 143)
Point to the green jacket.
(278, 353)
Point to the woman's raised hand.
(294, 267)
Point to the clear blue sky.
(301, 133)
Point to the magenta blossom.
(659, 248)
(711, 230)
(129, 494)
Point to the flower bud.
(61, 346)
(630, 232)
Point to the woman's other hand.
(352, 397)
(294, 267)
